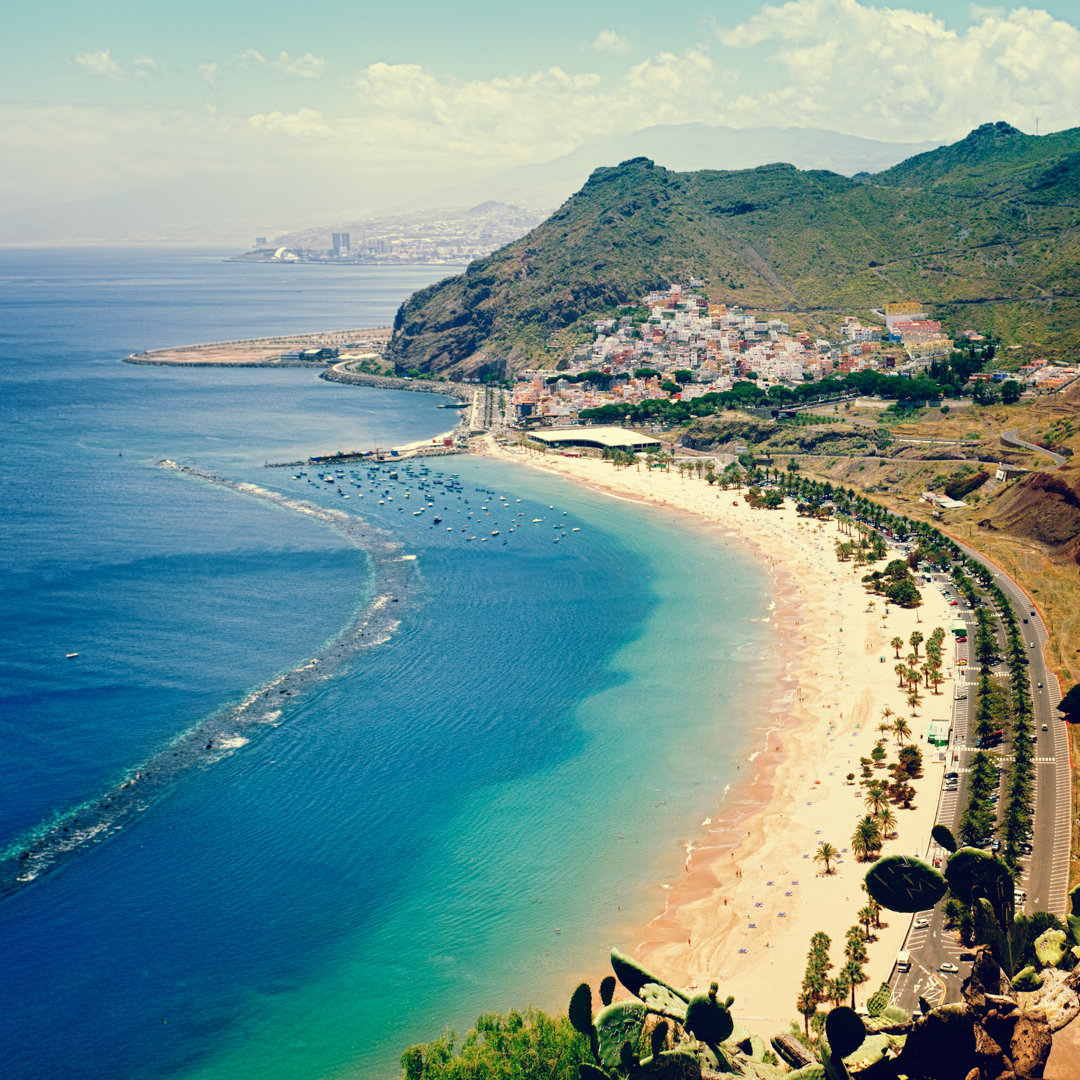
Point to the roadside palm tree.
(825, 854)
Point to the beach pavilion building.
(598, 438)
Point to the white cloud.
(99, 63)
(308, 66)
(510, 118)
(610, 41)
(144, 66)
(900, 74)
(302, 124)
(210, 73)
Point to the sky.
(349, 105)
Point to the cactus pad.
(708, 1019)
(903, 883)
(972, 871)
(615, 1025)
(844, 1030)
(943, 837)
(1028, 979)
(588, 1071)
(581, 1009)
(662, 1000)
(633, 976)
(607, 989)
(879, 999)
(1050, 947)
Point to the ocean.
(460, 816)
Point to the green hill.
(985, 231)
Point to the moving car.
(949, 969)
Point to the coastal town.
(678, 346)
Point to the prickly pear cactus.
(903, 883)
(845, 1030)
(896, 1015)
(618, 1025)
(1028, 979)
(633, 976)
(943, 836)
(1050, 947)
(813, 1071)
(663, 1000)
(708, 1019)
(670, 1065)
(607, 989)
(580, 1011)
(972, 872)
(877, 1001)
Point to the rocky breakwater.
(224, 732)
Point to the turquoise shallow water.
(460, 820)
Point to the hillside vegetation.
(985, 231)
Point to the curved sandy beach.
(750, 895)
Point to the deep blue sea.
(459, 820)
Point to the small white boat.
(71, 656)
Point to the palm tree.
(807, 1005)
(866, 839)
(900, 670)
(886, 819)
(902, 730)
(855, 975)
(825, 854)
(916, 640)
(866, 917)
(886, 712)
(913, 701)
(876, 800)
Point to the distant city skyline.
(347, 108)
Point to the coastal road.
(1045, 874)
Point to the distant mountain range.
(985, 231)
(683, 147)
(235, 207)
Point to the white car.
(949, 969)
(920, 924)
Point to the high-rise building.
(342, 245)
